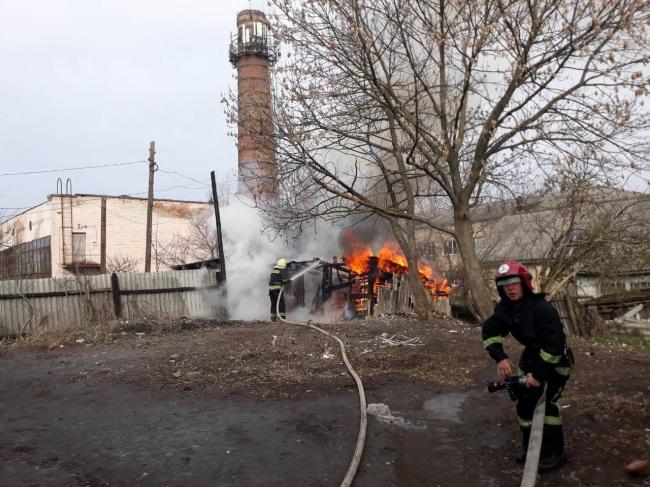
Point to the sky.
(85, 83)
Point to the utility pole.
(217, 217)
(153, 167)
(222, 308)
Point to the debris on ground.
(638, 468)
(256, 362)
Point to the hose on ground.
(534, 443)
(534, 446)
(363, 423)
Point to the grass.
(622, 339)
(99, 332)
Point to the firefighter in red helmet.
(546, 359)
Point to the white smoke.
(251, 254)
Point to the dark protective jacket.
(279, 275)
(535, 324)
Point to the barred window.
(427, 250)
(451, 247)
(27, 260)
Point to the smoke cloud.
(251, 254)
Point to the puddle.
(383, 413)
(446, 407)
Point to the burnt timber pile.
(347, 290)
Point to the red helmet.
(513, 271)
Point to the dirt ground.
(198, 403)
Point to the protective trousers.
(273, 294)
(553, 438)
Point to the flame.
(391, 259)
(358, 261)
(439, 286)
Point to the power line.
(183, 176)
(70, 168)
(167, 189)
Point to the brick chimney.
(252, 52)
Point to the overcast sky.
(88, 82)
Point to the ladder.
(65, 200)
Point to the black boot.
(525, 436)
(551, 462)
(552, 456)
(521, 458)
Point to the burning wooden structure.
(355, 286)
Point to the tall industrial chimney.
(252, 53)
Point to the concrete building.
(92, 234)
(541, 229)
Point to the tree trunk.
(479, 293)
(408, 245)
(420, 294)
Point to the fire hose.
(363, 423)
(534, 443)
(513, 385)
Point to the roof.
(533, 232)
(549, 201)
(209, 263)
(88, 195)
(642, 295)
(128, 197)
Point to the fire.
(435, 286)
(389, 256)
(358, 261)
(391, 259)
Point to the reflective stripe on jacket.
(278, 276)
(534, 323)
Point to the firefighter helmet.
(512, 271)
(282, 263)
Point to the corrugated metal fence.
(31, 305)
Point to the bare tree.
(569, 228)
(199, 243)
(6, 238)
(121, 263)
(226, 188)
(593, 230)
(388, 102)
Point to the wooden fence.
(35, 305)
(399, 299)
(587, 319)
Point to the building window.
(611, 287)
(451, 247)
(576, 236)
(27, 260)
(640, 285)
(427, 250)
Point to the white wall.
(18, 228)
(125, 227)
